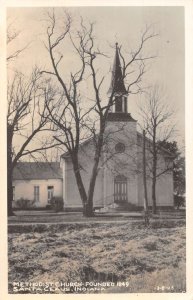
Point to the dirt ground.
(97, 257)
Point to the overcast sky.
(115, 24)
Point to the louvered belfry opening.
(121, 104)
(118, 104)
(120, 189)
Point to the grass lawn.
(128, 256)
(66, 217)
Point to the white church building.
(119, 183)
(120, 179)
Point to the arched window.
(120, 188)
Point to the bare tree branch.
(156, 121)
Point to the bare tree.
(69, 114)
(146, 212)
(27, 115)
(156, 120)
(27, 119)
(12, 36)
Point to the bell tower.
(120, 176)
(119, 109)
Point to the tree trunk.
(9, 171)
(88, 209)
(146, 212)
(154, 207)
(90, 212)
(79, 183)
(9, 193)
(154, 173)
(98, 150)
(9, 187)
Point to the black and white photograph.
(96, 158)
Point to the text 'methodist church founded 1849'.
(120, 179)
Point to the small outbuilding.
(37, 181)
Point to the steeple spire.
(117, 82)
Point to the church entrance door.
(120, 189)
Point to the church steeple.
(117, 83)
(118, 111)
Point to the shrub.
(179, 201)
(24, 203)
(57, 203)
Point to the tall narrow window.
(50, 192)
(37, 193)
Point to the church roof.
(117, 82)
(164, 151)
(37, 170)
(120, 117)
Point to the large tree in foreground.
(27, 115)
(27, 123)
(156, 117)
(76, 116)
